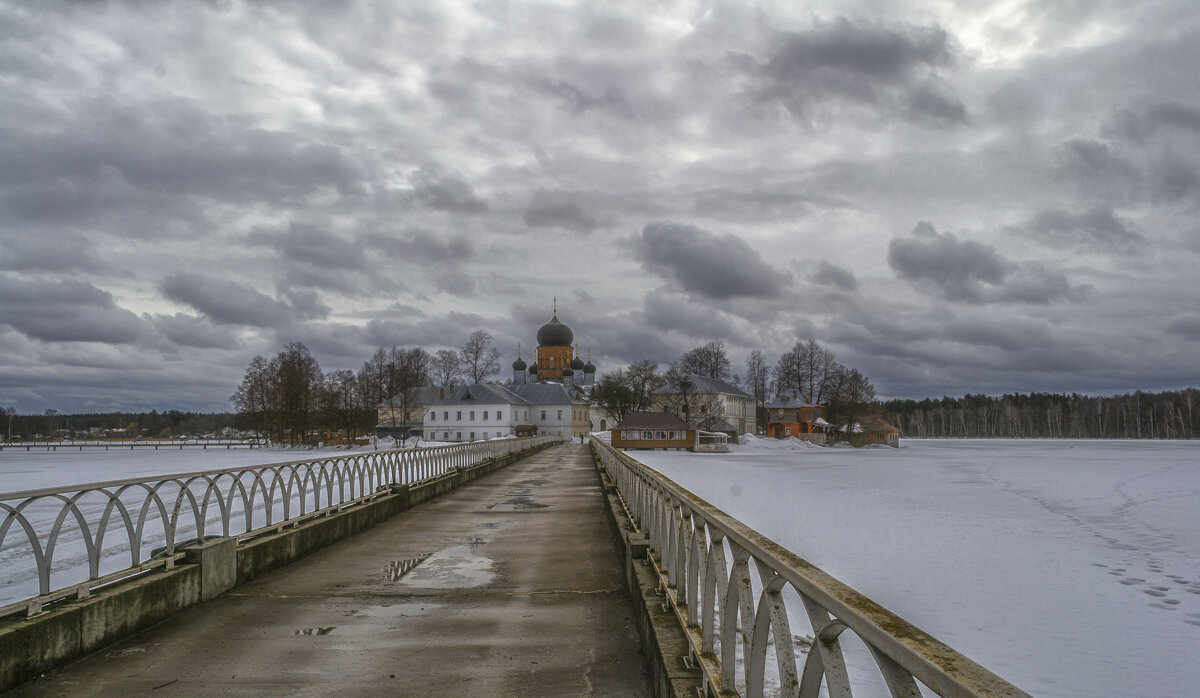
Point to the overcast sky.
(953, 197)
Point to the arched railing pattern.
(65, 541)
(727, 584)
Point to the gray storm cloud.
(968, 271)
(894, 69)
(380, 173)
(713, 266)
(225, 302)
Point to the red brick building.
(791, 414)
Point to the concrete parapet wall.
(32, 646)
(664, 644)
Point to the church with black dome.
(557, 360)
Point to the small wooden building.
(874, 430)
(653, 430)
(792, 415)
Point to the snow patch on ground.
(749, 443)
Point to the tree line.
(289, 399)
(29, 427)
(808, 368)
(1137, 415)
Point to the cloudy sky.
(953, 197)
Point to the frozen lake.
(28, 470)
(1071, 568)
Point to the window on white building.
(458, 435)
(543, 414)
(472, 415)
(485, 418)
(446, 416)
(431, 436)
(560, 414)
(499, 415)
(432, 416)
(445, 436)
(472, 436)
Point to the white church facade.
(545, 397)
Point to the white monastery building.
(545, 397)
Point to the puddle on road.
(519, 500)
(517, 504)
(458, 567)
(397, 610)
(398, 568)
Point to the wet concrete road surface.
(509, 586)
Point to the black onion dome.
(555, 334)
(533, 368)
(577, 363)
(589, 368)
(568, 372)
(519, 364)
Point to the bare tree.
(852, 396)
(298, 377)
(479, 358)
(644, 379)
(254, 399)
(614, 393)
(757, 383)
(680, 396)
(339, 403)
(758, 376)
(446, 367)
(408, 372)
(372, 377)
(709, 361)
(10, 413)
(808, 367)
(282, 396)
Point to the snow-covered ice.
(1071, 568)
(38, 469)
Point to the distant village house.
(790, 415)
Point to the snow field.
(29, 470)
(1070, 568)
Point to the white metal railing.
(727, 583)
(87, 530)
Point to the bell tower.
(554, 347)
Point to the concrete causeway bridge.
(514, 567)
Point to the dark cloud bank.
(950, 211)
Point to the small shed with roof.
(653, 430)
